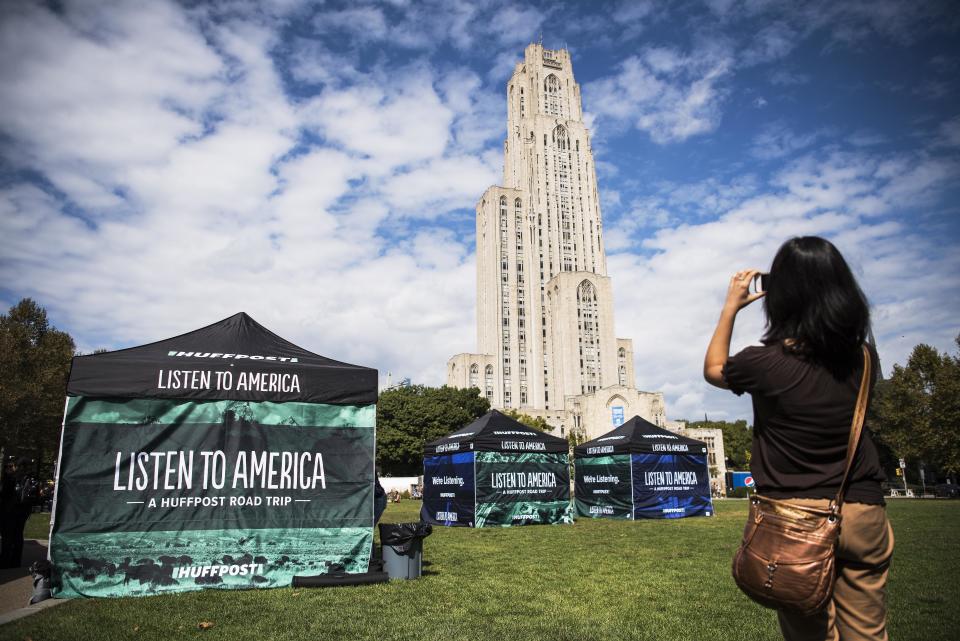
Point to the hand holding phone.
(758, 284)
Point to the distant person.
(18, 493)
(803, 382)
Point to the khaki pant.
(858, 610)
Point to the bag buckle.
(771, 568)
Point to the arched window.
(475, 376)
(488, 382)
(622, 365)
(560, 138)
(553, 96)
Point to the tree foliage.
(34, 366)
(737, 441)
(409, 417)
(916, 412)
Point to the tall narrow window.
(563, 196)
(475, 376)
(589, 337)
(505, 299)
(488, 382)
(521, 300)
(622, 365)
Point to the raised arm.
(718, 351)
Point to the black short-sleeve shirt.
(801, 424)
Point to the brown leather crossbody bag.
(788, 554)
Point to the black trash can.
(402, 545)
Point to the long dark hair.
(814, 306)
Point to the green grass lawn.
(38, 526)
(597, 579)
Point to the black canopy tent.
(639, 470)
(496, 471)
(223, 457)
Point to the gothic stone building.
(545, 326)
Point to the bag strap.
(859, 414)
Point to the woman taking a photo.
(804, 381)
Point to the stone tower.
(544, 301)
(545, 330)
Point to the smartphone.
(759, 283)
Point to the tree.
(409, 417)
(737, 440)
(916, 412)
(34, 366)
(533, 422)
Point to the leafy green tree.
(534, 422)
(409, 417)
(737, 440)
(916, 412)
(34, 366)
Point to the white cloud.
(362, 23)
(847, 22)
(440, 186)
(668, 300)
(949, 133)
(773, 42)
(516, 25)
(785, 78)
(203, 189)
(664, 92)
(633, 12)
(83, 105)
(776, 140)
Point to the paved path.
(16, 585)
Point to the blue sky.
(165, 165)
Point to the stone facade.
(545, 326)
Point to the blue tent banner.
(670, 486)
(448, 489)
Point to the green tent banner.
(160, 494)
(522, 489)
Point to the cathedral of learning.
(545, 327)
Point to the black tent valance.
(236, 359)
(638, 436)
